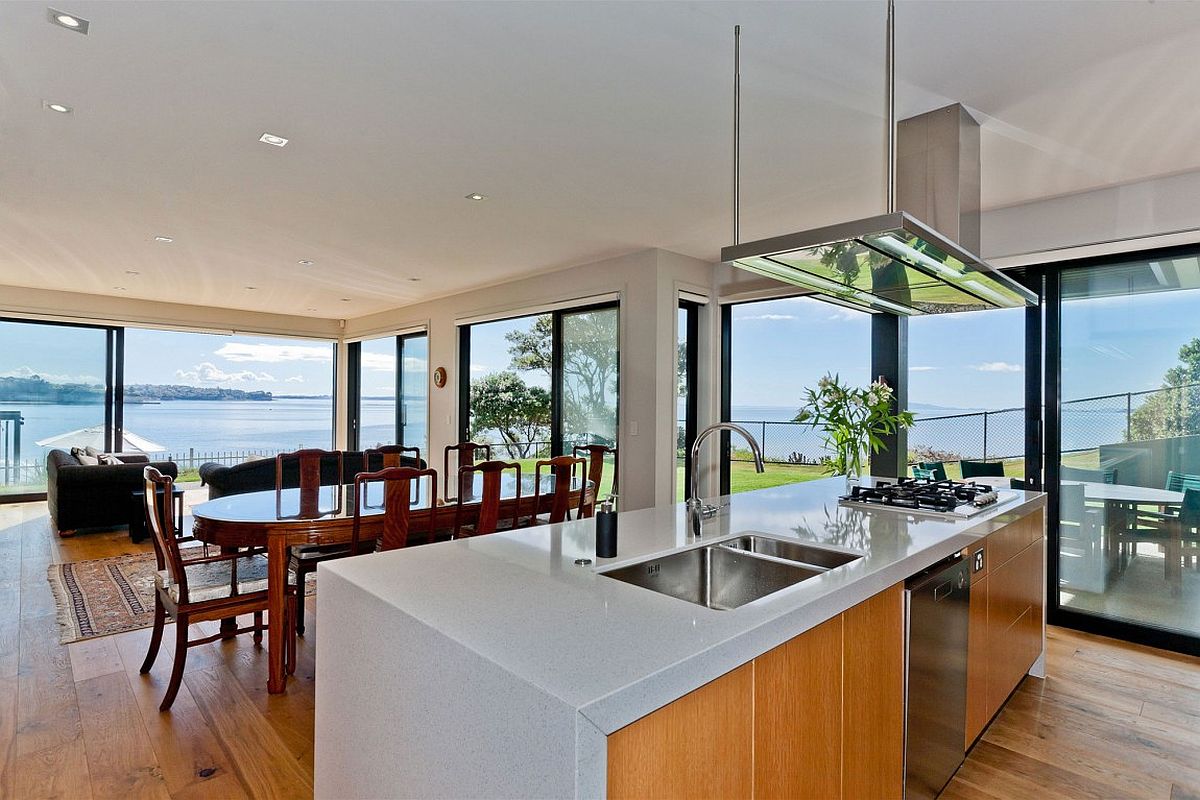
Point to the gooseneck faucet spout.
(697, 511)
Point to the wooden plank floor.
(78, 721)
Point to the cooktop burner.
(952, 498)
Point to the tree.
(1175, 410)
(589, 366)
(518, 412)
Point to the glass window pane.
(200, 397)
(682, 381)
(510, 387)
(1129, 528)
(51, 397)
(414, 393)
(589, 381)
(377, 392)
(966, 388)
(769, 378)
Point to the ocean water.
(214, 427)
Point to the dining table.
(278, 520)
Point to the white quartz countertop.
(614, 651)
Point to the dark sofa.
(259, 475)
(94, 496)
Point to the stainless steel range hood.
(891, 263)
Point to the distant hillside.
(36, 389)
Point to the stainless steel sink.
(714, 576)
(807, 554)
(733, 572)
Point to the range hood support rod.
(890, 106)
(737, 132)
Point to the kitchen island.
(498, 667)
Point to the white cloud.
(480, 368)
(274, 353)
(997, 366)
(923, 369)
(295, 379)
(51, 377)
(379, 362)
(771, 317)
(845, 315)
(206, 372)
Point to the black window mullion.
(464, 383)
(557, 434)
(399, 390)
(726, 391)
(353, 394)
(690, 368)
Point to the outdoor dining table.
(275, 520)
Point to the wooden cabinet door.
(798, 716)
(1014, 622)
(873, 698)
(977, 661)
(699, 746)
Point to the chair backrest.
(397, 504)
(392, 455)
(1180, 481)
(938, 469)
(1089, 475)
(595, 455)
(565, 470)
(923, 474)
(160, 519)
(1018, 483)
(466, 457)
(308, 462)
(1189, 510)
(982, 469)
(488, 520)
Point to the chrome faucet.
(697, 511)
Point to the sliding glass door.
(1128, 435)
(391, 402)
(56, 392)
(539, 385)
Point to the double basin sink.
(732, 572)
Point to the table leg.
(229, 625)
(276, 588)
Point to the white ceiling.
(595, 129)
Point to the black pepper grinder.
(606, 529)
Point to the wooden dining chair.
(466, 452)
(565, 470)
(489, 499)
(196, 589)
(399, 489)
(303, 558)
(393, 455)
(595, 454)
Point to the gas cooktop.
(951, 499)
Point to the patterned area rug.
(107, 595)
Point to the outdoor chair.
(982, 469)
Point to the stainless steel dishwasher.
(937, 603)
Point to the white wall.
(1140, 209)
(647, 283)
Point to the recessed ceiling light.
(414, 280)
(59, 107)
(312, 309)
(252, 288)
(476, 196)
(119, 288)
(166, 239)
(345, 299)
(68, 21)
(132, 272)
(270, 138)
(304, 262)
